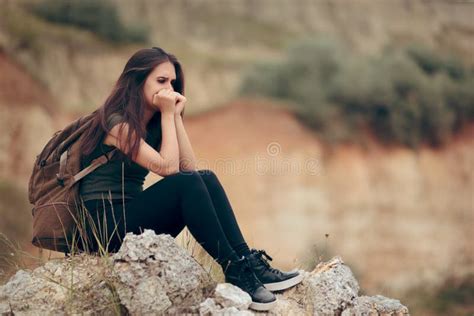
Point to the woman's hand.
(180, 104)
(165, 100)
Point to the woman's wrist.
(167, 114)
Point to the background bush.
(405, 95)
(100, 17)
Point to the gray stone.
(226, 300)
(208, 307)
(62, 286)
(330, 288)
(145, 296)
(234, 311)
(376, 305)
(228, 295)
(162, 275)
(150, 274)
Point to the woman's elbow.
(170, 171)
(166, 169)
(172, 167)
(187, 165)
(165, 172)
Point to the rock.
(228, 295)
(208, 307)
(291, 302)
(376, 305)
(234, 312)
(146, 296)
(150, 274)
(24, 290)
(158, 275)
(226, 300)
(330, 288)
(80, 287)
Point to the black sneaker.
(239, 273)
(272, 279)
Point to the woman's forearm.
(187, 159)
(169, 144)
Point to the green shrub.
(453, 296)
(406, 96)
(100, 17)
(432, 63)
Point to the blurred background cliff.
(336, 127)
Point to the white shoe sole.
(283, 285)
(262, 306)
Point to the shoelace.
(261, 254)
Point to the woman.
(143, 118)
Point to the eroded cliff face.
(27, 118)
(151, 274)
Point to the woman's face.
(159, 78)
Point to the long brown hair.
(127, 98)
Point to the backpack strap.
(62, 167)
(96, 163)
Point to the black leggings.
(195, 199)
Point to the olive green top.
(118, 178)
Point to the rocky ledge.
(151, 274)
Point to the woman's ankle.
(242, 249)
(224, 263)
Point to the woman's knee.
(208, 176)
(182, 173)
(187, 178)
(193, 173)
(197, 177)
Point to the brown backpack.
(54, 186)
